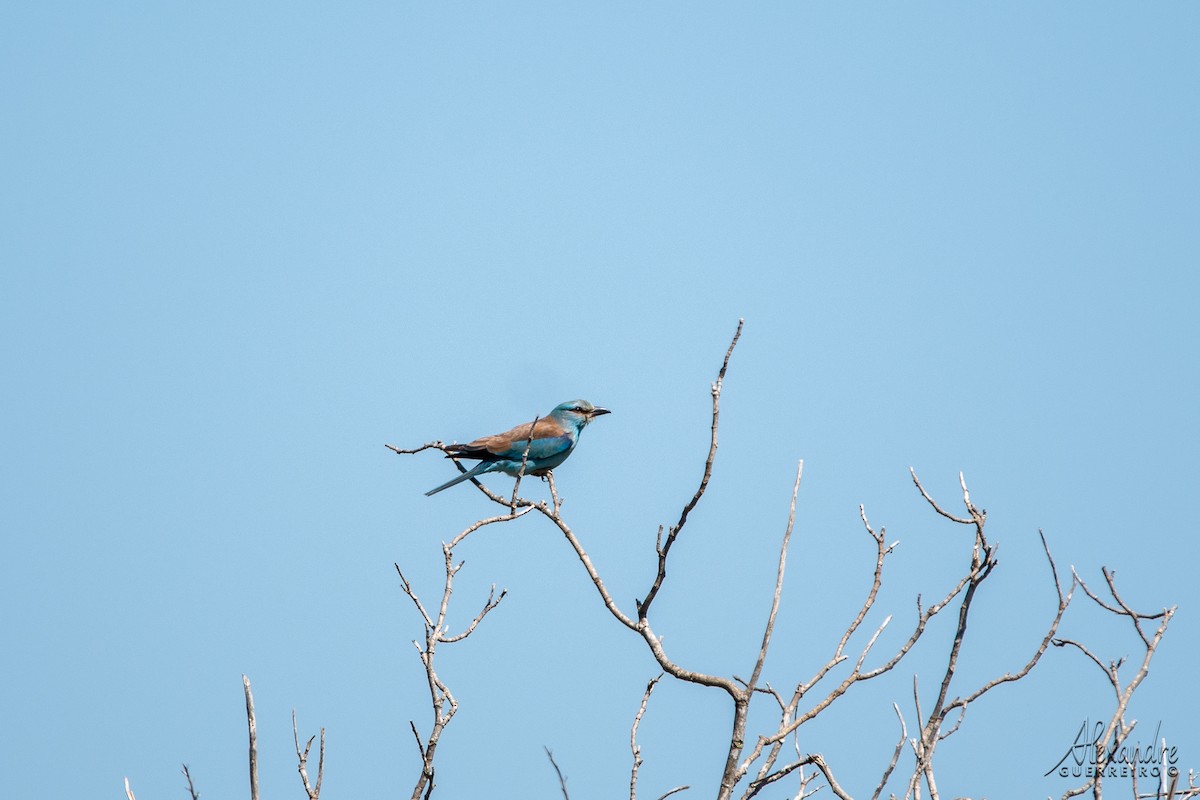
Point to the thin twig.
(933, 502)
(562, 781)
(783, 549)
(428, 445)
(474, 526)
(1061, 642)
(195, 795)
(683, 788)
(487, 608)
(813, 758)
(417, 736)
(253, 739)
(735, 771)
(633, 745)
(887, 773)
(643, 607)
(553, 492)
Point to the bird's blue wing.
(550, 439)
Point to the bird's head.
(578, 412)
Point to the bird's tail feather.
(479, 468)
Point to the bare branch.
(1063, 642)
(417, 736)
(917, 702)
(195, 795)
(933, 503)
(964, 610)
(790, 720)
(314, 792)
(1063, 602)
(1116, 730)
(751, 686)
(253, 739)
(474, 526)
(408, 590)
(962, 713)
(562, 781)
(428, 445)
(487, 608)
(1134, 616)
(758, 784)
(643, 607)
(887, 773)
(641, 626)
(554, 492)
(813, 758)
(442, 702)
(783, 549)
(923, 619)
(983, 561)
(588, 566)
(683, 788)
(881, 552)
(633, 745)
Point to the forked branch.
(1117, 729)
(312, 790)
(442, 702)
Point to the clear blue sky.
(245, 246)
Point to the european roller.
(554, 437)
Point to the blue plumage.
(554, 437)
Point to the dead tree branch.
(1117, 730)
(313, 792)
(887, 773)
(663, 548)
(253, 739)
(847, 665)
(195, 795)
(562, 781)
(442, 701)
(1064, 600)
(983, 561)
(633, 743)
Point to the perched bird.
(554, 437)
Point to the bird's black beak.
(598, 412)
